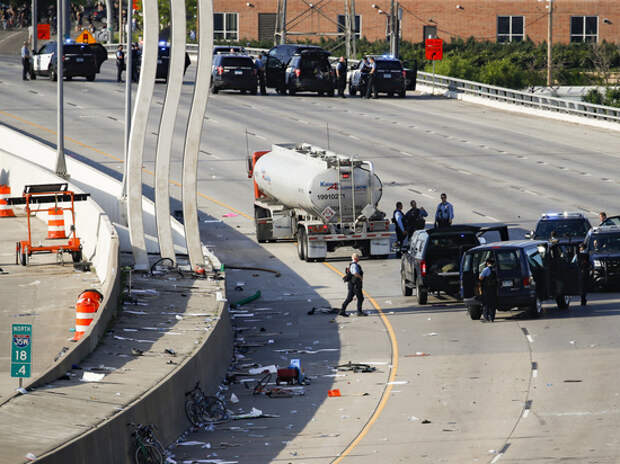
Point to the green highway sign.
(21, 348)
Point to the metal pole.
(392, 28)
(433, 77)
(61, 166)
(66, 14)
(108, 24)
(283, 26)
(120, 21)
(128, 78)
(347, 29)
(397, 19)
(34, 26)
(549, 41)
(353, 38)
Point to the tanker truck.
(321, 199)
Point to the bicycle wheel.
(194, 412)
(148, 454)
(214, 410)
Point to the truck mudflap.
(316, 250)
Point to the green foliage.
(594, 96)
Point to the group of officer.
(120, 62)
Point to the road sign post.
(21, 351)
(434, 52)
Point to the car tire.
(563, 301)
(535, 309)
(475, 312)
(405, 289)
(52, 74)
(90, 77)
(421, 293)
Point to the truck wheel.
(563, 301)
(421, 293)
(407, 291)
(76, 256)
(475, 312)
(300, 246)
(304, 244)
(535, 309)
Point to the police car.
(78, 60)
(568, 228)
(390, 78)
(603, 247)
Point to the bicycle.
(148, 448)
(201, 409)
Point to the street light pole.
(34, 26)
(128, 82)
(61, 166)
(549, 41)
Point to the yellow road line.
(386, 393)
(388, 389)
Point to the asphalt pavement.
(519, 390)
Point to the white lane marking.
(354, 137)
(467, 173)
(492, 218)
(405, 153)
(529, 338)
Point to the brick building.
(496, 20)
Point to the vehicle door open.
(502, 231)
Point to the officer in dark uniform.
(371, 89)
(354, 279)
(341, 76)
(398, 218)
(583, 264)
(488, 279)
(135, 56)
(120, 63)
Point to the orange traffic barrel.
(5, 209)
(56, 223)
(85, 310)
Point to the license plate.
(387, 76)
(507, 283)
(79, 60)
(238, 73)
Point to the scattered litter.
(287, 294)
(140, 313)
(220, 297)
(30, 456)
(240, 284)
(333, 393)
(169, 460)
(178, 317)
(210, 221)
(425, 421)
(572, 342)
(192, 443)
(144, 291)
(234, 398)
(253, 414)
(229, 215)
(271, 341)
(431, 334)
(137, 352)
(417, 354)
(356, 367)
(92, 377)
(298, 351)
(31, 284)
(413, 419)
(170, 351)
(130, 330)
(272, 369)
(388, 301)
(398, 382)
(573, 381)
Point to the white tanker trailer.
(319, 198)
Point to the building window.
(357, 27)
(226, 26)
(429, 32)
(584, 29)
(510, 29)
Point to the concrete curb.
(426, 89)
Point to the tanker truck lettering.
(321, 199)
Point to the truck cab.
(431, 264)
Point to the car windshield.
(563, 229)
(238, 62)
(389, 65)
(508, 260)
(452, 241)
(605, 243)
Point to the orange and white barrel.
(5, 209)
(56, 223)
(85, 310)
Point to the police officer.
(414, 218)
(260, 70)
(603, 217)
(341, 76)
(25, 52)
(444, 213)
(398, 218)
(488, 279)
(354, 279)
(583, 264)
(135, 56)
(370, 84)
(120, 63)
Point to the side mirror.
(482, 240)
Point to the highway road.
(536, 391)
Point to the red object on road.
(333, 393)
(434, 49)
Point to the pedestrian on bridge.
(354, 278)
(26, 69)
(414, 218)
(398, 218)
(260, 70)
(444, 213)
(341, 76)
(585, 270)
(371, 87)
(120, 63)
(488, 280)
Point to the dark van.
(528, 273)
(310, 71)
(278, 59)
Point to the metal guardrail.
(516, 97)
(192, 49)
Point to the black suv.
(603, 246)
(528, 273)
(390, 78)
(101, 54)
(310, 71)
(431, 264)
(78, 60)
(163, 61)
(569, 229)
(278, 59)
(233, 72)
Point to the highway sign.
(434, 49)
(43, 31)
(21, 348)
